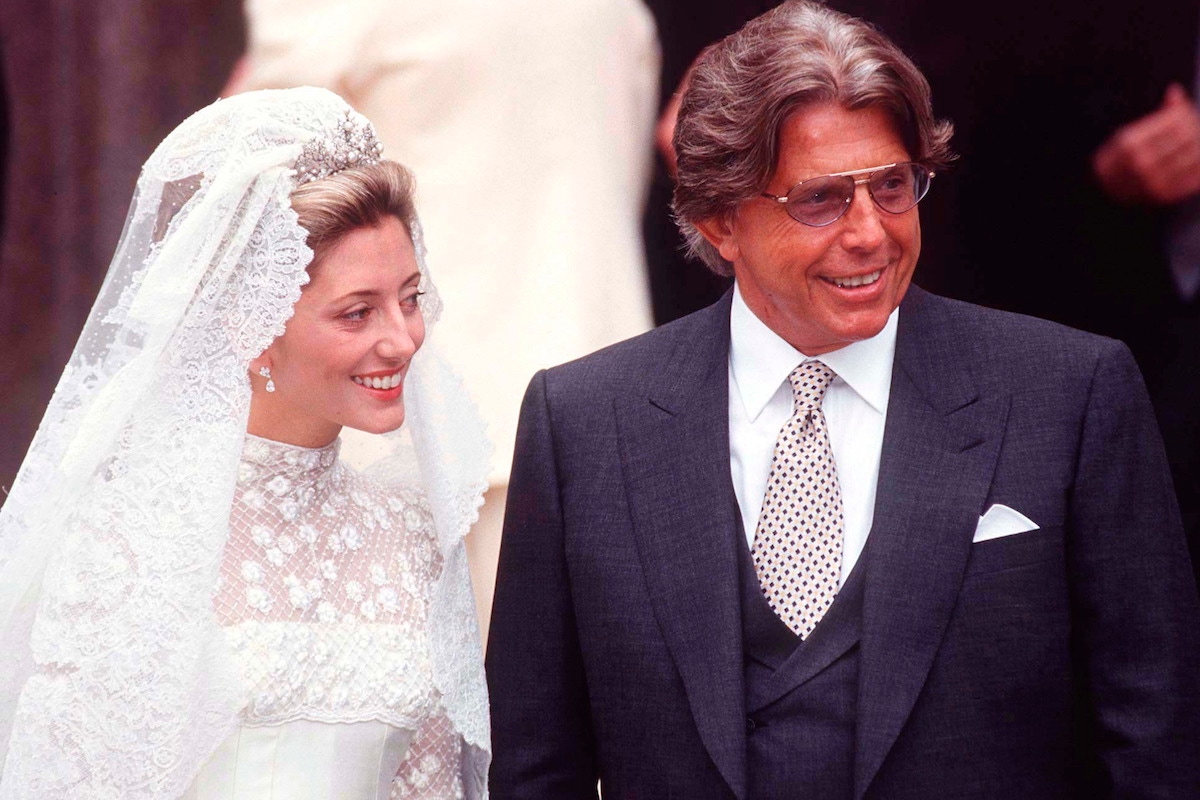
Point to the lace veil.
(114, 680)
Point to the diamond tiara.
(350, 143)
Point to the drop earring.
(266, 373)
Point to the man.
(835, 537)
(1109, 144)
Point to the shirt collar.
(760, 360)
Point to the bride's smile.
(384, 382)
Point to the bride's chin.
(381, 426)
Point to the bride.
(198, 597)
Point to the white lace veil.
(114, 678)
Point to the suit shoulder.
(1008, 338)
(637, 363)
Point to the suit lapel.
(940, 445)
(675, 456)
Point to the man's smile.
(855, 280)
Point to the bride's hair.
(359, 197)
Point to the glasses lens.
(820, 201)
(899, 188)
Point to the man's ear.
(720, 234)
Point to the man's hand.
(1154, 159)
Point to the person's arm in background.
(1154, 160)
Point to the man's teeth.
(858, 280)
(390, 382)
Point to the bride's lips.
(384, 385)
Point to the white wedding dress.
(324, 602)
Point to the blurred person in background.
(685, 27)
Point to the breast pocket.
(1015, 552)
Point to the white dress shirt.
(855, 407)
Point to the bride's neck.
(268, 421)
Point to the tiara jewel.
(349, 143)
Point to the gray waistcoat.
(800, 696)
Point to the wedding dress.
(324, 602)
(190, 611)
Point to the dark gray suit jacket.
(1059, 663)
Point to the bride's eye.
(411, 300)
(357, 315)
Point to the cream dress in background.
(528, 125)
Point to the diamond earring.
(266, 373)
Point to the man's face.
(789, 273)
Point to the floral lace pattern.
(325, 590)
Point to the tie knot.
(809, 382)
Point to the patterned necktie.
(798, 543)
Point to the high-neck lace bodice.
(324, 597)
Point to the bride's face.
(345, 352)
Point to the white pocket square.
(1000, 520)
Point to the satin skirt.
(304, 760)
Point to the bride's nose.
(401, 335)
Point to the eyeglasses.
(821, 201)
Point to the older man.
(835, 537)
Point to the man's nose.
(863, 223)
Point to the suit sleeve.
(1136, 615)
(541, 728)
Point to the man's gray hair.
(744, 88)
